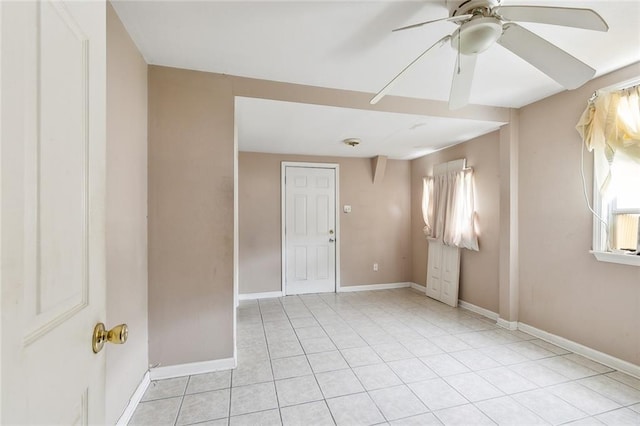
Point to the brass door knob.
(117, 335)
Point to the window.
(616, 229)
(624, 208)
(448, 205)
(610, 127)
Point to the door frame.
(283, 211)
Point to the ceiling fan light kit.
(477, 35)
(483, 23)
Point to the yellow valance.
(610, 126)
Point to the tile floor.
(390, 357)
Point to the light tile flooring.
(390, 357)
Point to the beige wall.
(377, 229)
(191, 196)
(563, 289)
(478, 270)
(126, 214)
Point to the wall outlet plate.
(346, 208)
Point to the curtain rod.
(624, 85)
(455, 171)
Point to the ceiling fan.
(485, 22)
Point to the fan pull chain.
(459, 51)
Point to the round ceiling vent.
(352, 142)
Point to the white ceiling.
(290, 128)
(349, 45)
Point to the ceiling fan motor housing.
(476, 35)
(457, 7)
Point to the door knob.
(331, 240)
(117, 335)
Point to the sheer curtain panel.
(448, 209)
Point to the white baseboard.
(477, 309)
(509, 325)
(370, 287)
(180, 370)
(345, 289)
(570, 345)
(254, 296)
(419, 288)
(134, 401)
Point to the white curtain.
(427, 207)
(610, 126)
(448, 209)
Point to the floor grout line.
(315, 377)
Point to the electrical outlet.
(375, 267)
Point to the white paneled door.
(443, 272)
(310, 230)
(52, 153)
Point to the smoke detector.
(352, 142)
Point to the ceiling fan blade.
(548, 58)
(389, 85)
(452, 19)
(587, 19)
(462, 79)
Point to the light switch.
(346, 208)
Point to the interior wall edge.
(126, 213)
(191, 216)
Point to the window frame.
(605, 210)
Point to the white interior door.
(443, 272)
(52, 146)
(450, 275)
(434, 270)
(310, 231)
